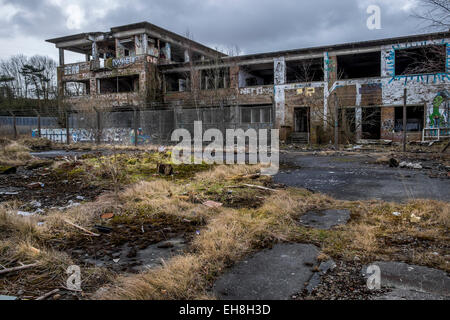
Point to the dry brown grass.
(14, 154)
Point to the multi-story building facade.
(299, 91)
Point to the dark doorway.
(301, 120)
(371, 123)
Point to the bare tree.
(435, 14)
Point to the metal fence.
(138, 126)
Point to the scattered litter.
(81, 198)
(40, 224)
(162, 149)
(35, 204)
(116, 260)
(197, 232)
(212, 204)
(397, 214)
(410, 165)
(107, 216)
(25, 213)
(415, 218)
(36, 185)
(70, 204)
(6, 193)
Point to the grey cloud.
(254, 26)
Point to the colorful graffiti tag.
(441, 101)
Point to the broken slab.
(325, 219)
(412, 281)
(271, 274)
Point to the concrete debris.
(25, 213)
(414, 218)
(410, 165)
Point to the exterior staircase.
(300, 137)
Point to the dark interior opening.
(304, 70)
(360, 65)
(414, 119)
(177, 82)
(218, 78)
(428, 59)
(256, 75)
(119, 84)
(371, 123)
(301, 120)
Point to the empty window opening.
(77, 88)
(126, 47)
(177, 54)
(414, 119)
(119, 84)
(371, 123)
(256, 115)
(256, 75)
(177, 82)
(304, 70)
(218, 78)
(361, 65)
(429, 59)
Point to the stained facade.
(299, 92)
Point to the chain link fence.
(136, 126)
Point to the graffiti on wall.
(440, 102)
(424, 78)
(309, 92)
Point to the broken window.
(256, 114)
(177, 82)
(360, 65)
(256, 75)
(304, 70)
(119, 84)
(218, 78)
(429, 59)
(414, 119)
(77, 88)
(126, 47)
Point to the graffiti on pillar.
(440, 102)
(330, 67)
(280, 71)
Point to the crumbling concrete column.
(358, 122)
(94, 50)
(279, 94)
(61, 57)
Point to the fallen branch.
(82, 229)
(8, 270)
(259, 187)
(48, 294)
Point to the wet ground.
(357, 177)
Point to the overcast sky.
(252, 25)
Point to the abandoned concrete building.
(298, 91)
